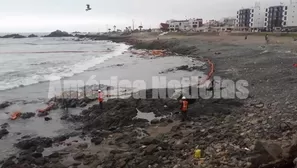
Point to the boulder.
(32, 35)
(4, 126)
(37, 155)
(13, 36)
(97, 140)
(59, 33)
(4, 104)
(34, 142)
(27, 115)
(155, 121)
(3, 132)
(265, 153)
(150, 149)
(78, 156)
(47, 118)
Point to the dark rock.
(47, 118)
(3, 132)
(149, 140)
(27, 115)
(58, 165)
(54, 155)
(26, 137)
(4, 104)
(40, 161)
(40, 149)
(265, 153)
(150, 149)
(4, 126)
(34, 142)
(8, 163)
(32, 35)
(97, 140)
(59, 33)
(83, 145)
(13, 36)
(155, 121)
(84, 104)
(42, 114)
(37, 155)
(78, 156)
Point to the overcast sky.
(70, 15)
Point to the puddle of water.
(148, 116)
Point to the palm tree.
(109, 30)
(140, 27)
(114, 27)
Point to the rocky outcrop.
(32, 35)
(3, 132)
(13, 36)
(4, 104)
(59, 33)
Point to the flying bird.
(88, 7)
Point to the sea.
(29, 61)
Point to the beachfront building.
(274, 18)
(184, 25)
(229, 21)
(243, 19)
(290, 15)
(257, 17)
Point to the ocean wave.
(14, 79)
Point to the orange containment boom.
(15, 115)
(158, 52)
(48, 108)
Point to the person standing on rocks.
(184, 108)
(100, 99)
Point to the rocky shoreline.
(233, 133)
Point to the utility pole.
(132, 24)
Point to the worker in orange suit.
(184, 108)
(100, 99)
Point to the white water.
(33, 60)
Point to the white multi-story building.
(184, 25)
(290, 15)
(257, 17)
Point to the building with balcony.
(257, 17)
(243, 18)
(290, 15)
(274, 18)
(185, 25)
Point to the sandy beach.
(255, 132)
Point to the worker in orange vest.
(184, 108)
(100, 99)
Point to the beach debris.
(197, 153)
(48, 108)
(88, 7)
(15, 115)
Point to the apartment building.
(274, 18)
(290, 15)
(243, 18)
(184, 25)
(257, 17)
